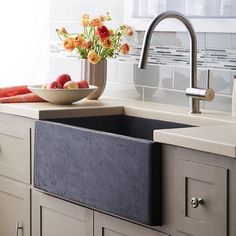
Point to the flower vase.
(95, 75)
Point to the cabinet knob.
(18, 227)
(195, 202)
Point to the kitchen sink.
(107, 163)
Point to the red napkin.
(16, 94)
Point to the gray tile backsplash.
(165, 96)
(148, 77)
(219, 41)
(125, 73)
(220, 103)
(167, 74)
(182, 78)
(124, 91)
(222, 82)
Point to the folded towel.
(28, 97)
(14, 90)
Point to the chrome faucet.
(195, 94)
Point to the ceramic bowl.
(62, 96)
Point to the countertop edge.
(196, 143)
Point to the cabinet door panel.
(105, 225)
(14, 207)
(55, 217)
(196, 180)
(15, 151)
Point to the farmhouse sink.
(107, 163)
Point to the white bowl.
(62, 96)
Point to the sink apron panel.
(114, 173)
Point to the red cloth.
(16, 94)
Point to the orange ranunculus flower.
(87, 44)
(69, 44)
(93, 57)
(103, 32)
(95, 22)
(78, 41)
(85, 19)
(62, 31)
(124, 48)
(128, 30)
(102, 18)
(107, 43)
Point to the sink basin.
(108, 163)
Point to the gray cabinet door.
(15, 146)
(105, 225)
(199, 181)
(14, 208)
(55, 217)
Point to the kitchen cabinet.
(186, 174)
(14, 208)
(201, 199)
(189, 176)
(55, 217)
(15, 175)
(105, 225)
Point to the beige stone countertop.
(216, 131)
(218, 139)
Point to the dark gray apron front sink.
(107, 163)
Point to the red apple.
(83, 84)
(54, 85)
(62, 79)
(70, 85)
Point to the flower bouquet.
(97, 41)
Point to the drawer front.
(201, 199)
(15, 151)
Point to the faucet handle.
(210, 94)
(207, 94)
(208, 79)
(200, 94)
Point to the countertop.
(215, 131)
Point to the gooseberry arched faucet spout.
(196, 94)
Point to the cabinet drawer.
(201, 199)
(15, 151)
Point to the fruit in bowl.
(56, 93)
(83, 84)
(62, 79)
(63, 82)
(53, 85)
(70, 85)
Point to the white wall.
(24, 41)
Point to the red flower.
(103, 32)
(124, 48)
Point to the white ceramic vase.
(95, 75)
